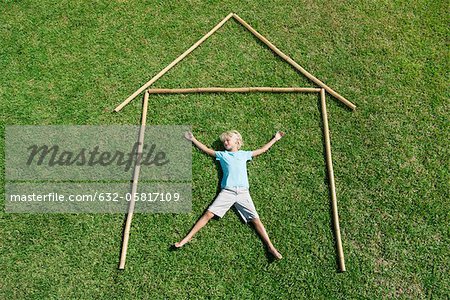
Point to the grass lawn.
(72, 62)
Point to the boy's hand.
(279, 135)
(189, 136)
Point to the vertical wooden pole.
(337, 230)
(137, 169)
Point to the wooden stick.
(178, 59)
(137, 169)
(337, 230)
(233, 90)
(293, 63)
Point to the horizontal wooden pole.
(293, 63)
(234, 90)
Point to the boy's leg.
(219, 207)
(247, 210)
(200, 223)
(265, 237)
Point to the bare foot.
(275, 253)
(178, 245)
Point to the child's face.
(231, 143)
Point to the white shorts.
(240, 198)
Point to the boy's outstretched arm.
(188, 135)
(266, 147)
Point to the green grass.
(72, 63)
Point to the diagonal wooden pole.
(337, 230)
(177, 60)
(293, 63)
(137, 168)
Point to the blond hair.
(231, 134)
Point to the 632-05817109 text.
(102, 197)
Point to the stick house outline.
(321, 91)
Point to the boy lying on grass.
(234, 185)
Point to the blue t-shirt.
(234, 167)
